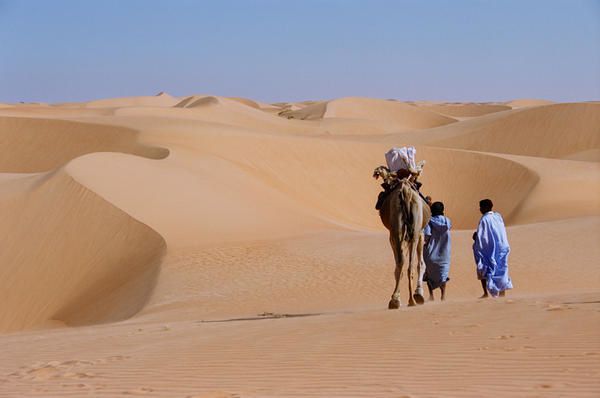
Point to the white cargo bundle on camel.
(405, 213)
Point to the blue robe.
(437, 252)
(491, 253)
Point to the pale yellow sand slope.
(69, 256)
(161, 100)
(466, 109)
(554, 131)
(404, 116)
(34, 145)
(470, 349)
(524, 102)
(219, 210)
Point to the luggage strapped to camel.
(401, 165)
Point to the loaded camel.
(405, 214)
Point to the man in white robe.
(491, 249)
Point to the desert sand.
(206, 246)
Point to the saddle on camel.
(401, 165)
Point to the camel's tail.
(406, 198)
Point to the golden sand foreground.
(206, 246)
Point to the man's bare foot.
(484, 296)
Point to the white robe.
(491, 253)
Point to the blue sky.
(478, 50)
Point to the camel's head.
(382, 172)
(386, 175)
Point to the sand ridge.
(404, 116)
(71, 257)
(540, 131)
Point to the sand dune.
(403, 115)
(45, 144)
(52, 112)
(223, 111)
(466, 110)
(525, 102)
(248, 102)
(214, 248)
(160, 100)
(554, 131)
(346, 195)
(197, 101)
(340, 355)
(213, 201)
(565, 189)
(69, 256)
(309, 112)
(590, 155)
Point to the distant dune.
(401, 114)
(466, 110)
(554, 131)
(162, 99)
(525, 102)
(45, 144)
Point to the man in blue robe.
(490, 248)
(436, 252)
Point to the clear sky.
(270, 50)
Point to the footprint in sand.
(71, 369)
(38, 371)
(505, 337)
(78, 386)
(554, 307)
(44, 373)
(79, 375)
(139, 391)
(117, 358)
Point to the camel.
(405, 214)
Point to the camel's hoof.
(394, 304)
(419, 298)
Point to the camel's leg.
(398, 258)
(411, 259)
(418, 296)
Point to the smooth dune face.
(69, 256)
(35, 145)
(162, 99)
(525, 102)
(402, 116)
(538, 131)
(223, 247)
(466, 110)
(551, 131)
